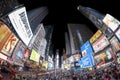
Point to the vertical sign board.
(20, 23)
(87, 59)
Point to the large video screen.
(21, 25)
(104, 57)
(4, 34)
(34, 56)
(115, 44)
(108, 32)
(87, 56)
(118, 33)
(10, 45)
(27, 53)
(100, 44)
(18, 54)
(111, 22)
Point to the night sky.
(62, 12)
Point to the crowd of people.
(7, 71)
(110, 72)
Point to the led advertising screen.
(95, 36)
(100, 44)
(10, 45)
(100, 59)
(21, 25)
(4, 34)
(104, 57)
(18, 54)
(118, 33)
(111, 22)
(115, 44)
(34, 56)
(107, 31)
(87, 56)
(27, 53)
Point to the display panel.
(4, 34)
(100, 44)
(111, 22)
(115, 44)
(87, 56)
(34, 56)
(95, 36)
(21, 25)
(107, 31)
(118, 33)
(104, 57)
(27, 53)
(10, 45)
(18, 54)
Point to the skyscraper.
(57, 59)
(67, 44)
(48, 37)
(78, 33)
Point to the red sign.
(10, 45)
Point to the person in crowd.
(1, 76)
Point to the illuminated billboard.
(34, 56)
(21, 25)
(4, 34)
(111, 22)
(115, 44)
(104, 57)
(87, 56)
(10, 45)
(95, 36)
(26, 53)
(100, 43)
(18, 54)
(118, 33)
